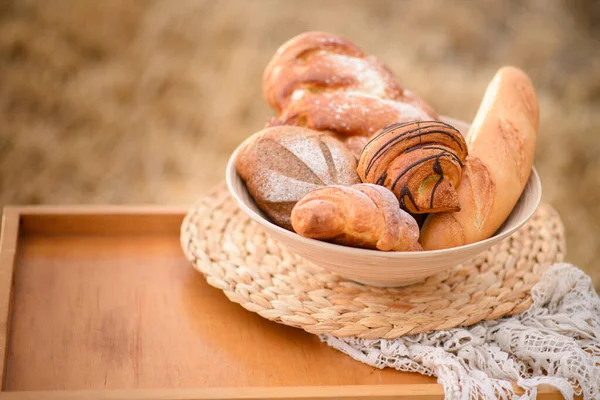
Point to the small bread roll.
(280, 165)
(362, 215)
(501, 144)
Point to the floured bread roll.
(281, 164)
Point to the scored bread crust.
(501, 142)
(279, 165)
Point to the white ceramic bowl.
(381, 268)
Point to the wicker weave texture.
(235, 255)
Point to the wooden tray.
(99, 302)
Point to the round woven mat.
(236, 256)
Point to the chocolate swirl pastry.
(420, 162)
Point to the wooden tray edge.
(368, 392)
(97, 219)
(12, 226)
(9, 233)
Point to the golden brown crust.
(362, 215)
(355, 144)
(325, 82)
(399, 233)
(280, 165)
(448, 232)
(501, 144)
(348, 113)
(420, 162)
(321, 60)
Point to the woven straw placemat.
(252, 269)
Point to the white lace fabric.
(555, 342)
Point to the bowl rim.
(231, 172)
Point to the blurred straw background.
(143, 101)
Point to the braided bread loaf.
(325, 82)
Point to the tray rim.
(12, 227)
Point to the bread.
(355, 144)
(362, 215)
(281, 164)
(318, 61)
(325, 82)
(420, 162)
(347, 113)
(501, 144)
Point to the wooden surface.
(8, 247)
(363, 392)
(113, 304)
(99, 220)
(94, 312)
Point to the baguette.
(501, 143)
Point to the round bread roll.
(501, 143)
(281, 164)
